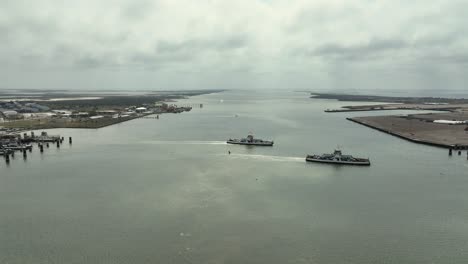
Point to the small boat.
(250, 141)
(338, 158)
(14, 147)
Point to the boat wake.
(184, 142)
(267, 158)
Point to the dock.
(15, 142)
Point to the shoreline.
(92, 113)
(413, 133)
(388, 99)
(73, 125)
(438, 128)
(385, 103)
(352, 119)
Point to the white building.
(141, 109)
(451, 122)
(11, 114)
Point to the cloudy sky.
(248, 44)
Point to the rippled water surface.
(167, 191)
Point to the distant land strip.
(388, 99)
(447, 128)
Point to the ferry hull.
(264, 144)
(354, 163)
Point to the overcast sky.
(265, 44)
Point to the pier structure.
(12, 142)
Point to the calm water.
(166, 191)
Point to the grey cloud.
(458, 58)
(433, 48)
(155, 60)
(167, 52)
(215, 44)
(357, 51)
(89, 61)
(137, 10)
(284, 40)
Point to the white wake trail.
(268, 157)
(184, 142)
